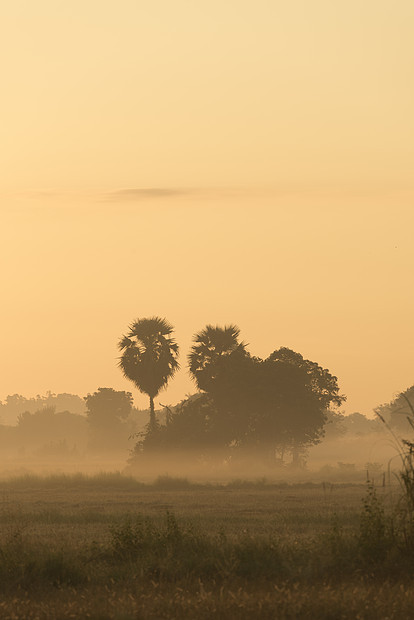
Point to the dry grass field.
(107, 546)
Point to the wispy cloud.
(144, 193)
(57, 199)
(147, 193)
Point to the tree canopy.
(107, 405)
(280, 401)
(107, 411)
(399, 412)
(209, 355)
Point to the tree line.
(275, 404)
(267, 407)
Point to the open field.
(110, 547)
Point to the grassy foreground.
(110, 547)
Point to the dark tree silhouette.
(107, 410)
(36, 430)
(398, 413)
(281, 401)
(107, 405)
(149, 357)
(191, 426)
(213, 345)
(288, 412)
(323, 384)
(16, 404)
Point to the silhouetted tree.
(107, 410)
(149, 357)
(323, 384)
(191, 426)
(278, 401)
(45, 425)
(212, 349)
(334, 425)
(16, 404)
(287, 413)
(358, 424)
(398, 412)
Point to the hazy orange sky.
(211, 162)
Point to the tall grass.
(124, 564)
(386, 539)
(145, 550)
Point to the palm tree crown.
(149, 356)
(211, 345)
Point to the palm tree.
(212, 345)
(149, 357)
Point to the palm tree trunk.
(152, 420)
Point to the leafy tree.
(358, 424)
(287, 412)
(297, 394)
(190, 425)
(149, 357)
(398, 412)
(107, 410)
(107, 405)
(323, 384)
(335, 425)
(278, 401)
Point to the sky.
(208, 162)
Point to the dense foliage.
(246, 402)
(107, 410)
(398, 413)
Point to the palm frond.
(211, 344)
(149, 354)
